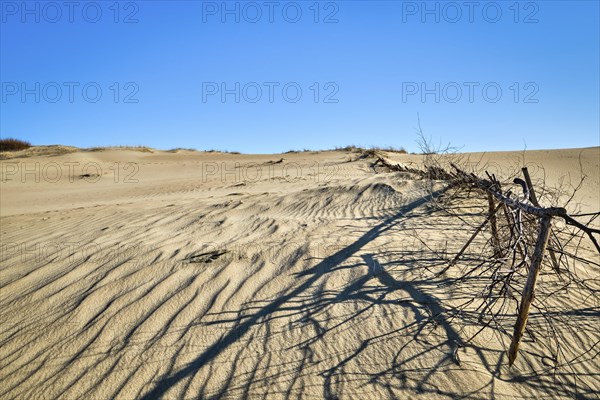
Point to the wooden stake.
(528, 291)
(530, 190)
(535, 202)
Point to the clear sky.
(270, 76)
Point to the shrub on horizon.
(11, 144)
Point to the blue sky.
(261, 77)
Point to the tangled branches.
(518, 244)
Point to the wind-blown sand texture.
(184, 276)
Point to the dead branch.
(519, 237)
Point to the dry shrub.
(11, 144)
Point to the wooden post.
(532, 195)
(535, 202)
(528, 291)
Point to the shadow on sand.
(431, 332)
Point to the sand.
(181, 275)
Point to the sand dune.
(128, 274)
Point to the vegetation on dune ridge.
(144, 149)
(147, 149)
(355, 149)
(11, 144)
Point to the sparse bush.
(221, 151)
(351, 148)
(143, 149)
(358, 149)
(175, 150)
(390, 149)
(11, 144)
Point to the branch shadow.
(315, 273)
(430, 334)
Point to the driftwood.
(513, 211)
(534, 201)
(528, 292)
(536, 211)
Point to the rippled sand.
(133, 274)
